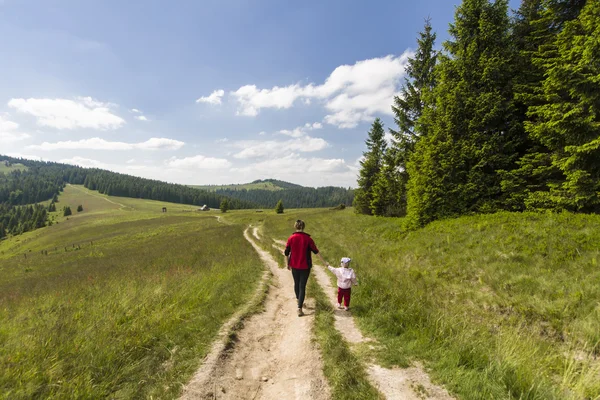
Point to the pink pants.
(345, 294)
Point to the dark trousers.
(300, 280)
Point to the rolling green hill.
(262, 185)
(267, 192)
(501, 306)
(117, 301)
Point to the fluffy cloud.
(83, 162)
(351, 93)
(9, 133)
(82, 112)
(251, 99)
(301, 130)
(214, 98)
(101, 144)
(141, 118)
(292, 165)
(256, 148)
(198, 162)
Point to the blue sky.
(205, 92)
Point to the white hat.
(346, 260)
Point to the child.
(345, 279)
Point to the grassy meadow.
(118, 301)
(123, 301)
(502, 306)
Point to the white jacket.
(345, 277)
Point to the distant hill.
(267, 192)
(25, 182)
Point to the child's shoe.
(347, 308)
(340, 305)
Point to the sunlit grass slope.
(4, 169)
(497, 306)
(118, 301)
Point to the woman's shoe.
(300, 312)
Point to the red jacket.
(298, 247)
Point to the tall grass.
(119, 309)
(498, 306)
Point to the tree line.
(505, 117)
(43, 181)
(294, 197)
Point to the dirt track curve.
(273, 357)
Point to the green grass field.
(247, 186)
(5, 170)
(503, 306)
(118, 301)
(122, 300)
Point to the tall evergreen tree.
(472, 129)
(370, 167)
(535, 30)
(407, 109)
(279, 207)
(568, 122)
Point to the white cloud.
(198, 162)
(262, 133)
(351, 93)
(214, 98)
(26, 156)
(82, 112)
(251, 99)
(101, 144)
(83, 162)
(292, 165)
(141, 118)
(9, 132)
(135, 110)
(223, 140)
(130, 161)
(301, 130)
(256, 148)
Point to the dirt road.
(273, 357)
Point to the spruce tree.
(370, 167)
(568, 122)
(389, 196)
(535, 30)
(224, 205)
(279, 207)
(67, 211)
(471, 128)
(407, 109)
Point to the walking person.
(298, 256)
(346, 277)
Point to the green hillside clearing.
(118, 301)
(13, 167)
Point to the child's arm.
(331, 268)
(354, 279)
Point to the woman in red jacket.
(298, 254)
